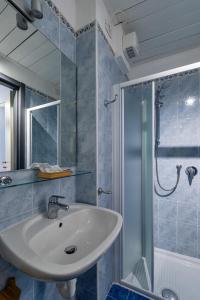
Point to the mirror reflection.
(37, 98)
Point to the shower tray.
(177, 272)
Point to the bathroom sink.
(63, 248)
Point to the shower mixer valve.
(191, 172)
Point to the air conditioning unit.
(130, 46)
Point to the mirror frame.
(18, 121)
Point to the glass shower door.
(137, 161)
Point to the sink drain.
(169, 294)
(70, 250)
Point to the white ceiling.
(28, 48)
(163, 27)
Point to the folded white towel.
(47, 168)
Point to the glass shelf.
(30, 180)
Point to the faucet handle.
(58, 197)
(54, 199)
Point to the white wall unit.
(165, 63)
(162, 27)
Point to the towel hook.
(107, 102)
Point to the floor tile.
(134, 296)
(118, 292)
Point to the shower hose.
(171, 190)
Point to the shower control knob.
(191, 172)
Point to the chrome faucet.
(54, 206)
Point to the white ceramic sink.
(37, 245)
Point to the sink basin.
(64, 248)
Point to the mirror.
(37, 98)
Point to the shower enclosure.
(156, 183)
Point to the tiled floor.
(118, 292)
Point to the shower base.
(140, 277)
(178, 273)
(173, 271)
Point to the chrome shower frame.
(118, 185)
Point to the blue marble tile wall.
(177, 217)
(88, 106)
(108, 75)
(86, 115)
(44, 136)
(68, 112)
(86, 137)
(33, 198)
(18, 203)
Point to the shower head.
(36, 9)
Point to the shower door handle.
(101, 191)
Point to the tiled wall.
(91, 50)
(68, 112)
(177, 217)
(108, 74)
(86, 138)
(18, 203)
(97, 72)
(86, 115)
